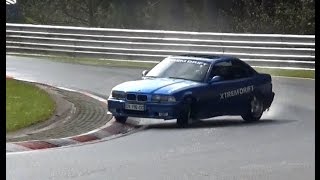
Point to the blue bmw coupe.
(192, 87)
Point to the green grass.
(109, 62)
(145, 65)
(26, 104)
(288, 73)
(96, 62)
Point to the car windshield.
(188, 69)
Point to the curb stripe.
(85, 138)
(11, 147)
(62, 142)
(36, 145)
(115, 128)
(102, 134)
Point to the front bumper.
(152, 110)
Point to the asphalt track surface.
(280, 146)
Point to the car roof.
(205, 57)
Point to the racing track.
(281, 146)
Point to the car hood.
(156, 85)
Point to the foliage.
(290, 17)
(248, 16)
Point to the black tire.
(184, 118)
(121, 119)
(255, 111)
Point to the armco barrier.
(261, 50)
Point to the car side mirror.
(215, 79)
(144, 73)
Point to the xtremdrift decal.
(190, 61)
(236, 92)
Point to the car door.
(214, 103)
(241, 82)
(230, 95)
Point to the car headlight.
(163, 98)
(117, 95)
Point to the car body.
(192, 87)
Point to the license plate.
(136, 107)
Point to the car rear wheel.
(255, 111)
(184, 117)
(121, 119)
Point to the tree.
(250, 16)
(281, 16)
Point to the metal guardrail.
(260, 50)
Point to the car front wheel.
(255, 111)
(184, 117)
(121, 119)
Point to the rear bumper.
(268, 101)
(152, 110)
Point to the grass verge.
(147, 65)
(288, 73)
(26, 104)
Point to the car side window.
(223, 69)
(240, 70)
(231, 70)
